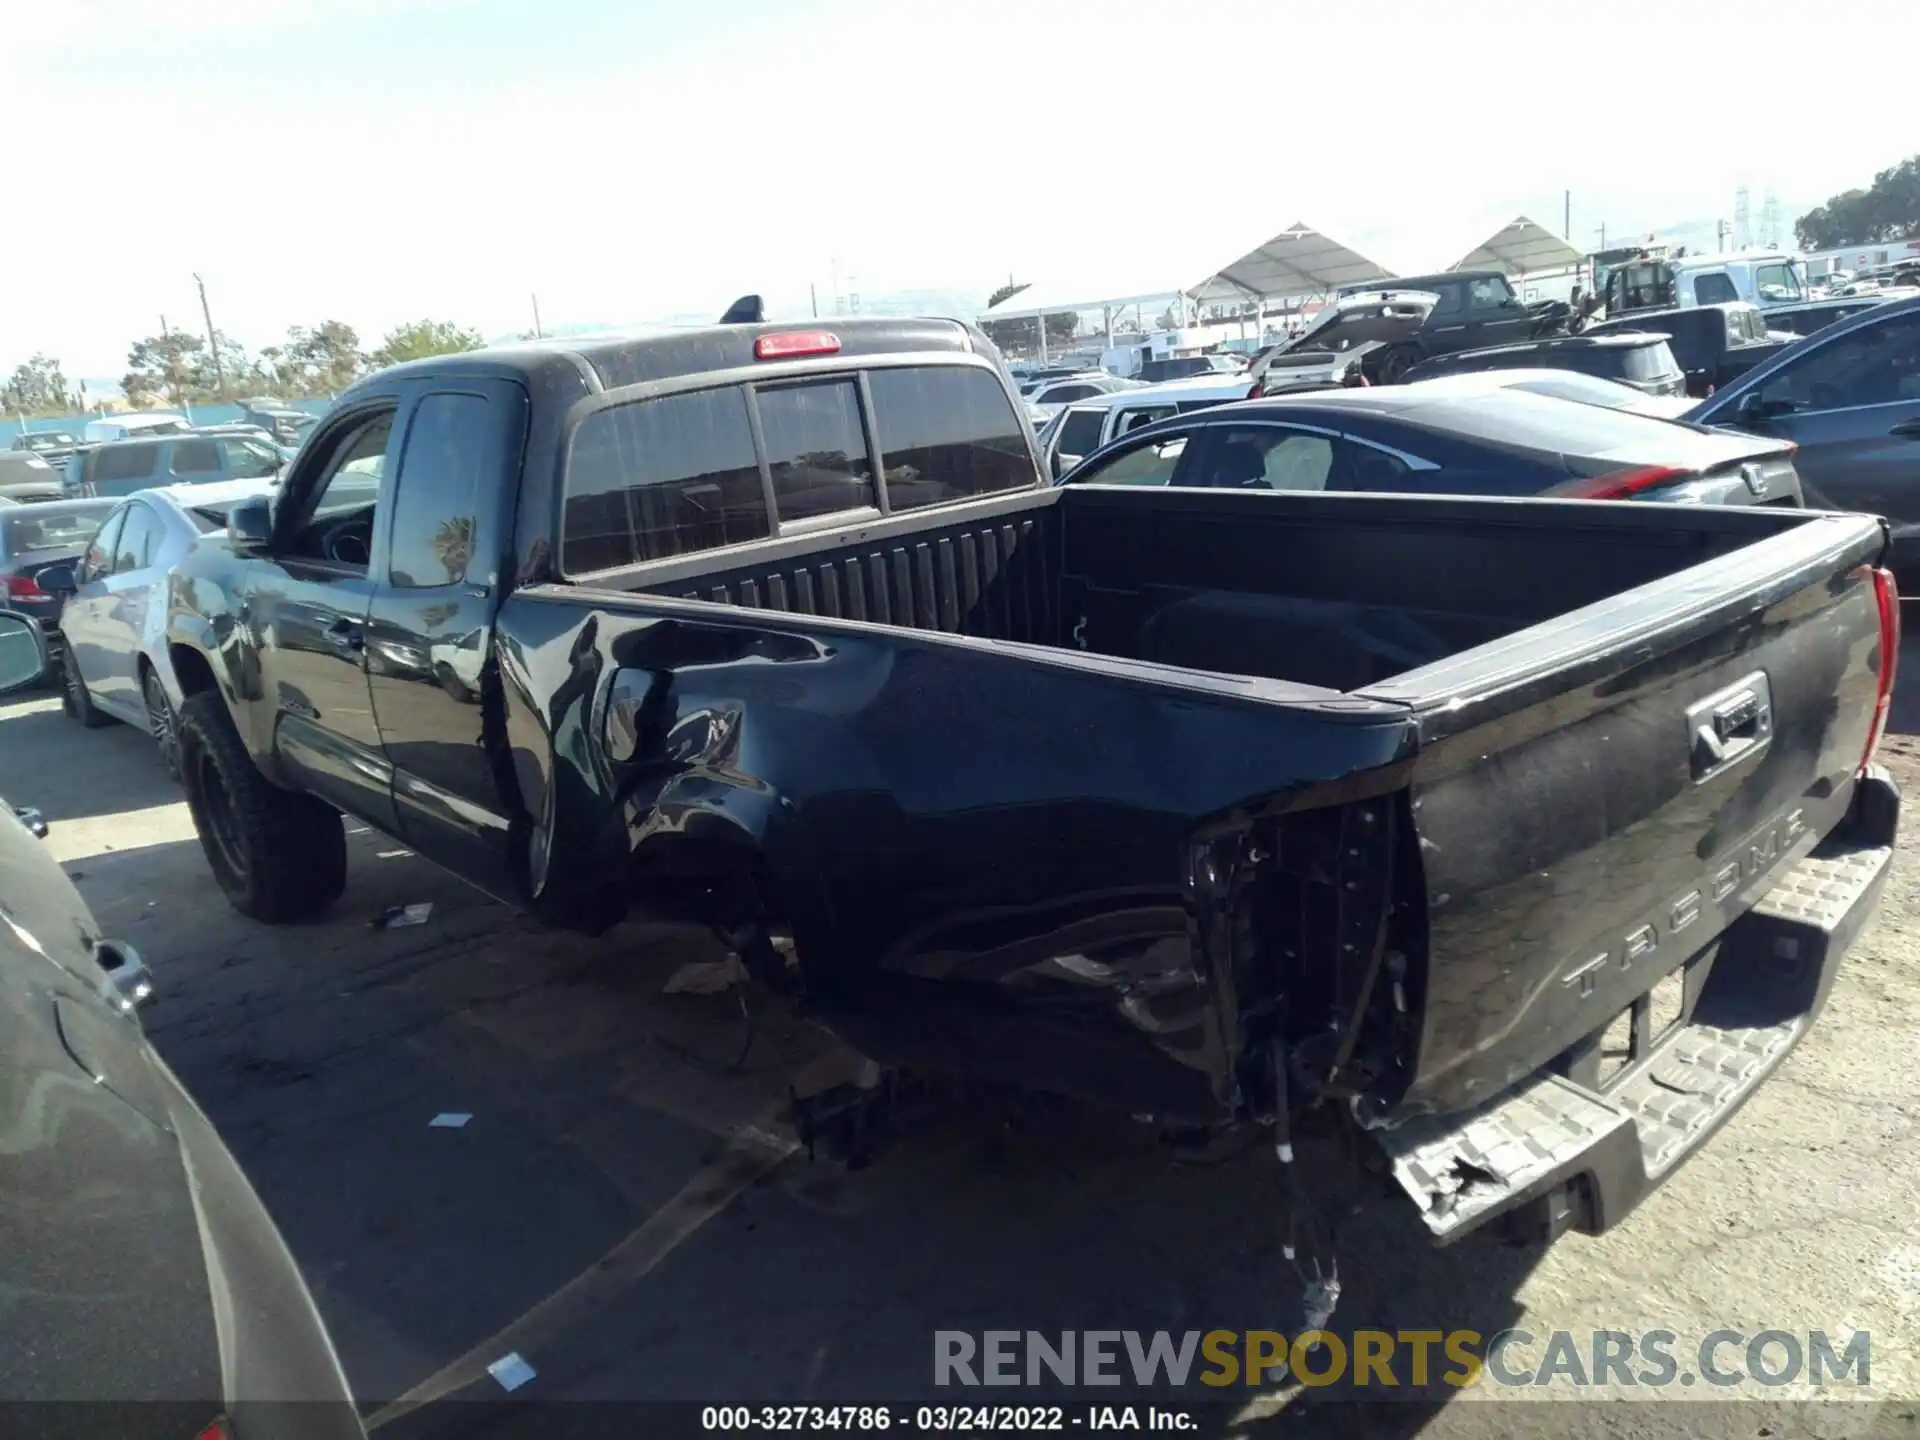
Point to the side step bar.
(1582, 1155)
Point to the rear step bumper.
(1558, 1154)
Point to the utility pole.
(813, 294)
(165, 334)
(1566, 221)
(537, 334)
(213, 345)
(1603, 234)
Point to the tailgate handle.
(1730, 726)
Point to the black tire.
(162, 724)
(279, 855)
(74, 698)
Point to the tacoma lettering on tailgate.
(1757, 855)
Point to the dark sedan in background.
(1410, 439)
(34, 539)
(26, 478)
(140, 1265)
(1849, 398)
(1644, 361)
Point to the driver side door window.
(330, 519)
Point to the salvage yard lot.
(623, 1208)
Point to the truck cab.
(1763, 278)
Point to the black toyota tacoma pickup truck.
(1206, 804)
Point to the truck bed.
(1110, 791)
(1333, 592)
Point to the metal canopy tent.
(1520, 247)
(1044, 298)
(1298, 261)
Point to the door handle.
(1907, 429)
(1730, 726)
(344, 635)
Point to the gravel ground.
(624, 1208)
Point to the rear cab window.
(682, 473)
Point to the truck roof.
(619, 360)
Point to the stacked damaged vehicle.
(1206, 804)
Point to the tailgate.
(1598, 797)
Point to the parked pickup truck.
(1205, 804)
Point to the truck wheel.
(74, 698)
(277, 854)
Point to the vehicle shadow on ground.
(102, 772)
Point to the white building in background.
(1855, 258)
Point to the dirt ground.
(626, 1210)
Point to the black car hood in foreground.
(139, 1265)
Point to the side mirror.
(1752, 411)
(57, 580)
(23, 651)
(250, 525)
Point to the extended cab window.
(946, 432)
(435, 507)
(662, 477)
(816, 448)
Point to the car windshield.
(32, 528)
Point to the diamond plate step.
(1593, 1154)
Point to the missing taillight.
(1886, 597)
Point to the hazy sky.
(628, 159)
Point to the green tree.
(1022, 334)
(165, 369)
(420, 339)
(322, 361)
(37, 388)
(1889, 209)
(1005, 292)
